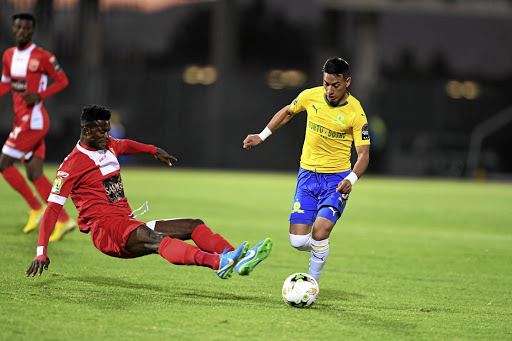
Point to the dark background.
(434, 77)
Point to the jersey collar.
(28, 46)
(339, 105)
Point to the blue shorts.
(314, 191)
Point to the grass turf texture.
(409, 260)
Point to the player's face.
(336, 88)
(23, 31)
(97, 136)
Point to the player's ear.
(348, 81)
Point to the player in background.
(325, 179)
(25, 71)
(91, 175)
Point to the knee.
(194, 223)
(34, 175)
(197, 222)
(143, 241)
(300, 241)
(5, 163)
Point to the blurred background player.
(335, 120)
(25, 71)
(91, 174)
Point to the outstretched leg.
(195, 229)
(143, 241)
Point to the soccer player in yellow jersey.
(325, 179)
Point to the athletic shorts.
(25, 143)
(111, 233)
(314, 191)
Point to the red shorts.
(111, 233)
(25, 143)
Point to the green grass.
(410, 260)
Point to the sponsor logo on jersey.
(316, 109)
(33, 65)
(18, 85)
(325, 132)
(365, 133)
(114, 188)
(62, 174)
(57, 185)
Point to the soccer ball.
(300, 290)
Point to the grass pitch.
(409, 260)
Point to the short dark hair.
(92, 113)
(336, 66)
(25, 16)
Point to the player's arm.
(363, 159)
(41, 261)
(5, 83)
(60, 81)
(282, 117)
(129, 147)
(4, 87)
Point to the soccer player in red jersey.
(91, 175)
(25, 71)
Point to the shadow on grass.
(94, 289)
(337, 295)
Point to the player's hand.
(31, 98)
(162, 156)
(251, 141)
(39, 264)
(344, 187)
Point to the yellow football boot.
(34, 218)
(61, 228)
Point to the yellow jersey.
(330, 131)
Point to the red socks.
(44, 187)
(208, 241)
(178, 252)
(181, 253)
(13, 176)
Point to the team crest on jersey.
(33, 64)
(339, 120)
(114, 188)
(296, 207)
(365, 133)
(57, 185)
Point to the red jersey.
(93, 180)
(27, 70)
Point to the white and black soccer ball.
(300, 290)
